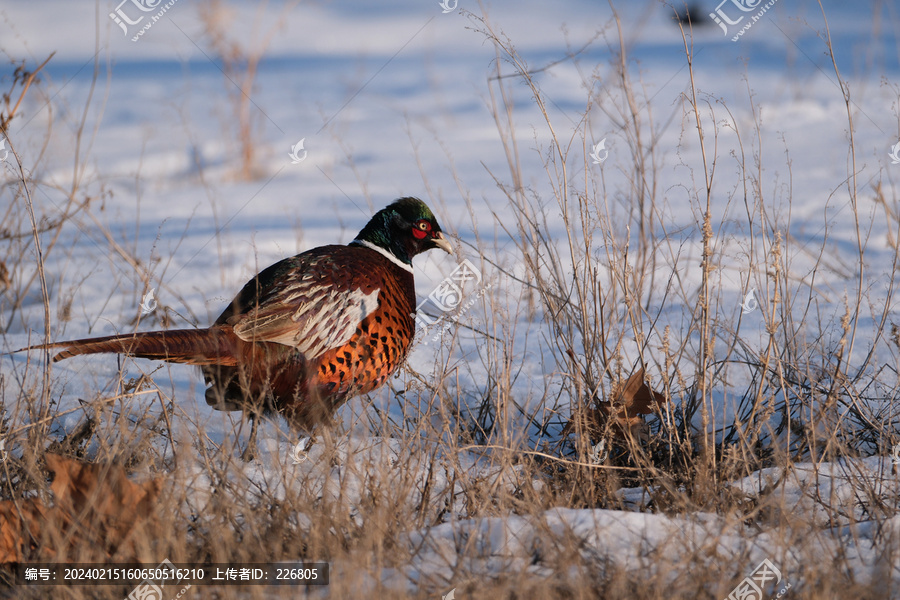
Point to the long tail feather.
(213, 346)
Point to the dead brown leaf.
(623, 415)
(19, 528)
(95, 506)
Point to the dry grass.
(599, 276)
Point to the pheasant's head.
(405, 228)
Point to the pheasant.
(309, 332)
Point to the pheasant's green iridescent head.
(405, 228)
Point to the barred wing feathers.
(312, 302)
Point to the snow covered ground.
(390, 99)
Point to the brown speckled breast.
(381, 341)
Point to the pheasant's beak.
(443, 243)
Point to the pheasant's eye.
(421, 229)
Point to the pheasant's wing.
(312, 302)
